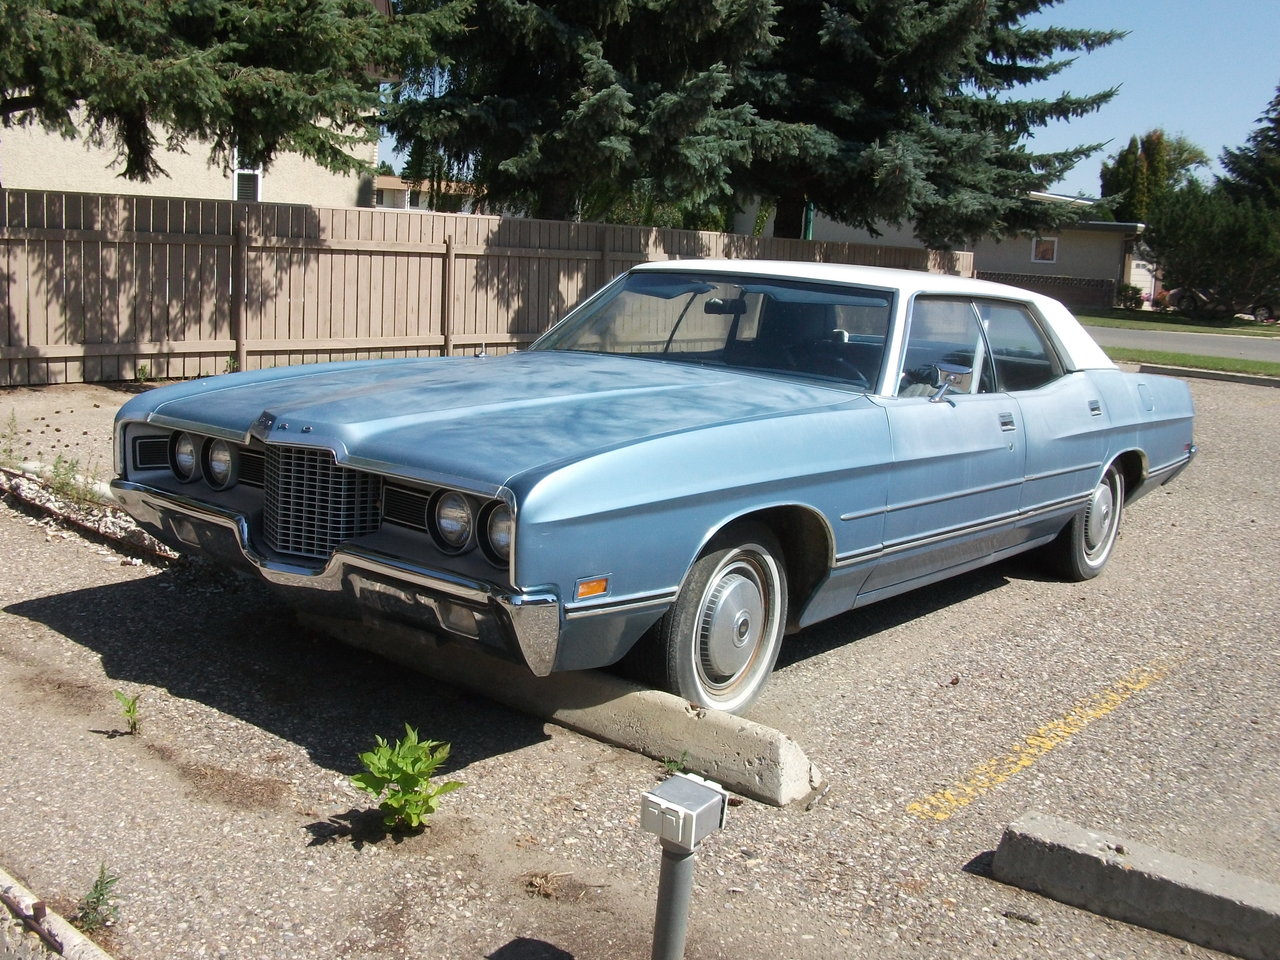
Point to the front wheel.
(1082, 549)
(721, 637)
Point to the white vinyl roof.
(1082, 352)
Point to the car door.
(958, 459)
(1063, 413)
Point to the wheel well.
(1133, 467)
(806, 550)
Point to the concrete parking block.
(745, 757)
(1142, 885)
(22, 915)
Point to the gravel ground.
(1141, 703)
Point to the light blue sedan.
(698, 460)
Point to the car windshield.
(814, 329)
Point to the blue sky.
(1199, 68)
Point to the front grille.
(312, 505)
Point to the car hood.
(483, 420)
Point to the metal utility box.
(683, 810)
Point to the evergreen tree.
(1254, 169)
(1135, 180)
(251, 77)
(1204, 237)
(561, 108)
(900, 111)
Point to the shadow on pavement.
(224, 641)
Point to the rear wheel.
(1082, 549)
(721, 638)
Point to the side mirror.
(951, 376)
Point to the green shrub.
(1128, 297)
(400, 777)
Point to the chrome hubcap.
(731, 629)
(1101, 512)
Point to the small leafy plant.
(399, 777)
(143, 373)
(95, 910)
(129, 709)
(673, 765)
(64, 479)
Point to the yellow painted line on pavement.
(987, 776)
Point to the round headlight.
(182, 457)
(497, 529)
(220, 464)
(452, 520)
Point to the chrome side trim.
(533, 615)
(880, 551)
(628, 605)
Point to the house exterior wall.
(1080, 253)
(31, 158)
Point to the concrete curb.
(746, 757)
(1198, 374)
(1141, 885)
(18, 942)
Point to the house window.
(248, 186)
(1044, 250)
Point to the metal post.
(240, 292)
(683, 811)
(675, 889)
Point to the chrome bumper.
(531, 619)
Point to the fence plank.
(95, 286)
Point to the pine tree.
(1254, 169)
(560, 108)
(900, 111)
(252, 78)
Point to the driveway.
(1139, 704)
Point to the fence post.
(239, 291)
(446, 296)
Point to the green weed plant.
(95, 910)
(129, 709)
(399, 776)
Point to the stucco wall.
(1096, 254)
(32, 159)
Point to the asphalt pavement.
(1196, 344)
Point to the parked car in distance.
(699, 459)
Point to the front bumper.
(526, 624)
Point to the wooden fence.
(102, 288)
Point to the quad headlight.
(221, 464)
(451, 520)
(184, 457)
(498, 530)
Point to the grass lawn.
(1258, 368)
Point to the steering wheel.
(823, 357)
